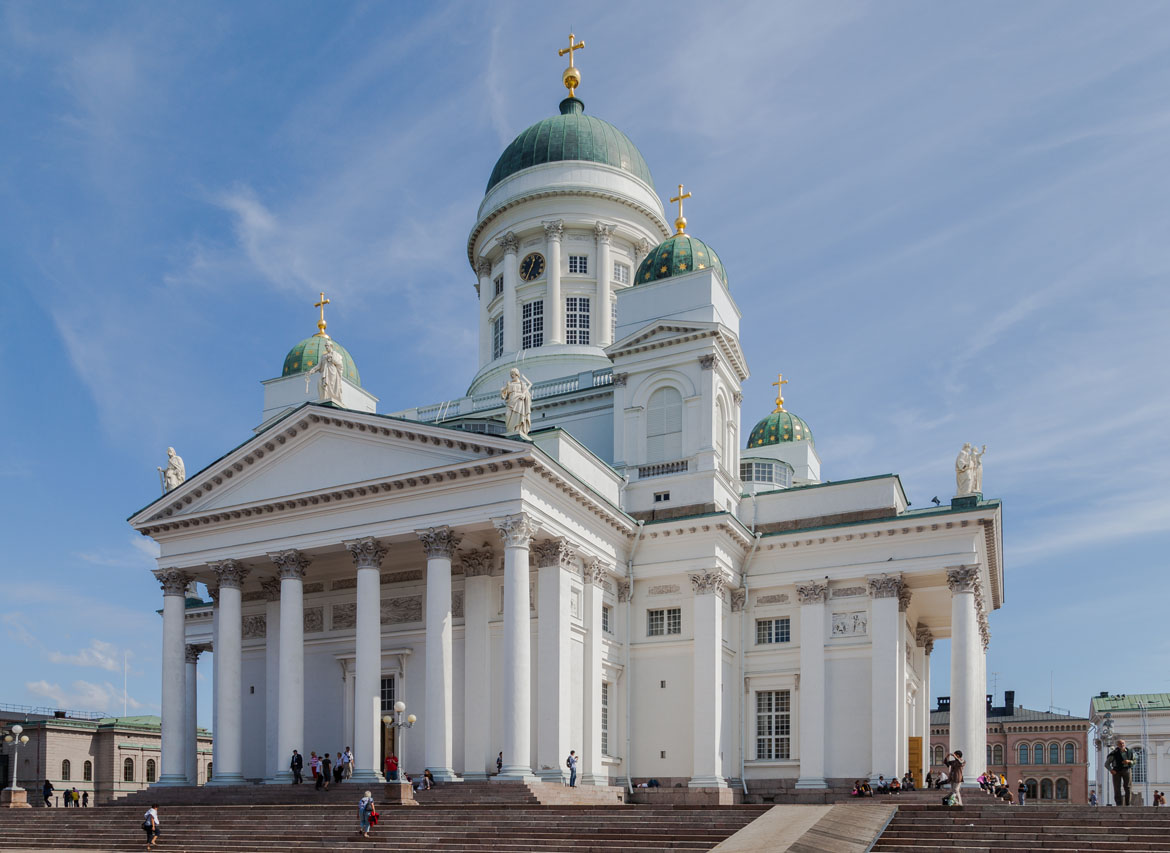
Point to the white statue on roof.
(331, 367)
(969, 470)
(517, 394)
(175, 472)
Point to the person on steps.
(392, 768)
(954, 762)
(48, 792)
(150, 825)
(1120, 763)
(296, 765)
(571, 763)
(365, 810)
(323, 779)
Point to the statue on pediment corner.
(969, 470)
(175, 473)
(331, 367)
(517, 395)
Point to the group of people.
(72, 797)
(884, 786)
(323, 768)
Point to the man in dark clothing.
(296, 765)
(48, 792)
(1120, 763)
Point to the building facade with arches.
(1048, 751)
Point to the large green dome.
(570, 136)
(679, 255)
(779, 427)
(306, 354)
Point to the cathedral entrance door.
(915, 749)
(388, 738)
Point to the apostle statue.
(175, 472)
(331, 366)
(517, 394)
(969, 470)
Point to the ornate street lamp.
(399, 710)
(13, 794)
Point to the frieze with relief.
(405, 608)
(254, 627)
(854, 624)
(314, 622)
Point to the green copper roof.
(779, 427)
(570, 136)
(679, 255)
(307, 353)
(1129, 702)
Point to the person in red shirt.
(392, 768)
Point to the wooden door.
(915, 751)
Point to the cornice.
(801, 539)
(686, 333)
(691, 527)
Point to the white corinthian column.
(483, 270)
(290, 725)
(439, 543)
(190, 715)
(510, 243)
(707, 704)
(229, 718)
(592, 767)
(554, 310)
(554, 562)
(477, 663)
(886, 694)
(604, 313)
(174, 671)
(967, 702)
(517, 532)
(812, 598)
(367, 554)
(271, 588)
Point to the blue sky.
(943, 223)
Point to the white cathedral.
(627, 577)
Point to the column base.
(475, 777)
(225, 780)
(813, 782)
(369, 777)
(515, 773)
(707, 782)
(555, 777)
(592, 779)
(171, 780)
(285, 777)
(444, 774)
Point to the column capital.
(603, 232)
(231, 573)
(620, 379)
(554, 229)
(738, 599)
(923, 638)
(483, 268)
(904, 597)
(708, 362)
(885, 586)
(963, 579)
(737, 395)
(812, 593)
(213, 591)
(478, 562)
(290, 563)
(594, 572)
(271, 588)
(625, 591)
(709, 583)
(367, 552)
(194, 650)
(172, 581)
(517, 530)
(642, 248)
(439, 541)
(510, 243)
(553, 552)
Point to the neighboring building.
(606, 583)
(1142, 720)
(109, 757)
(1048, 751)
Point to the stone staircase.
(434, 827)
(985, 826)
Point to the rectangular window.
(532, 329)
(497, 286)
(662, 622)
(605, 718)
(661, 497)
(577, 320)
(621, 273)
(388, 699)
(613, 321)
(773, 724)
(498, 337)
(578, 264)
(607, 618)
(773, 631)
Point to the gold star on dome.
(702, 266)
(682, 267)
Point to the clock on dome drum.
(532, 267)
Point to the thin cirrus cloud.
(91, 696)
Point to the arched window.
(997, 755)
(1046, 789)
(664, 426)
(1033, 789)
(128, 770)
(988, 763)
(87, 771)
(939, 754)
(1054, 753)
(1038, 754)
(1062, 789)
(150, 770)
(1025, 753)
(1070, 753)
(1139, 766)
(65, 768)
(720, 435)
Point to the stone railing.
(491, 399)
(662, 469)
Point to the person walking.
(954, 762)
(47, 790)
(323, 776)
(338, 769)
(1120, 763)
(571, 763)
(1092, 798)
(297, 764)
(365, 811)
(150, 825)
(348, 759)
(76, 798)
(499, 764)
(85, 799)
(314, 764)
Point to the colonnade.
(284, 661)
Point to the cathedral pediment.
(666, 333)
(320, 449)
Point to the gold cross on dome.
(321, 322)
(569, 50)
(572, 77)
(680, 224)
(779, 383)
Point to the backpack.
(569, 762)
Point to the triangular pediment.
(317, 449)
(665, 333)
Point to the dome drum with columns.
(623, 549)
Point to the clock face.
(532, 267)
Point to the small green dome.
(779, 427)
(305, 355)
(570, 136)
(679, 255)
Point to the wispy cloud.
(99, 654)
(103, 697)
